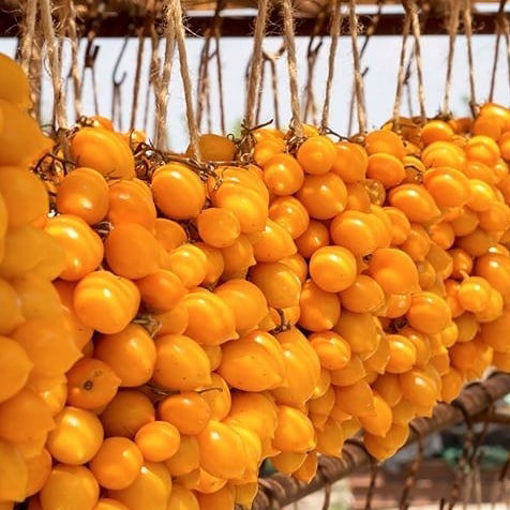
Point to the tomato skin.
(350, 162)
(83, 193)
(130, 353)
(283, 174)
(161, 291)
(317, 154)
(106, 302)
(178, 191)
(132, 251)
(103, 151)
(83, 248)
(24, 194)
(130, 201)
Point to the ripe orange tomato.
(132, 251)
(187, 411)
(316, 154)
(238, 257)
(69, 487)
(320, 310)
(290, 214)
(449, 187)
(436, 130)
(355, 230)
(294, 432)
(91, 384)
(236, 362)
(364, 295)
(83, 193)
(386, 168)
(283, 175)
(130, 353)
(24, 195)
(360, 331)
(161, 291)
(106, 302)
(218, 227)
(324, 196)
(315, 236)
(83, 248)
(334, 352)
(130, 201)
(158, 441)
(181, 364)
(126, 413)
(246, 300)
(103, 151)
(415, 202)
(178, 191)
(428, 313)
(394, 271)
(186, 459)
(214, 148)
(386, 142)
(77, 436)
(15, 367)
(204, 307)
(333, 268)
(356, 399)
(350, 162)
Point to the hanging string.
(52, 51)
(219, 71)
(175, 6)
(256, 63)
(506, 29)
(290, 44)
(453, 27)
(162, 95)
(311, 58)
(499, 19)
(35, 75)
(154, 66)
(468, 27)
(75, 70)
(138, 75)
(261, 88)
(203, 78)
(358, 78)
(336, 22)
(28, 31)
(410, 6)
(401, 73)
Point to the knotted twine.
(161, 96)
(28, 32)
(290, 43)
(336, 22)
(453, 26)
(176, 13)
(53, 57)
(358, 77)
(256, 64)
(410, 6)
(401, 72)
(468, 28)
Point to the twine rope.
(453, 26)
(336, 22)
(138, 75)
(290, 43)
(72, 33)
(499, 23)
(176, 8)
(401, 72)
(256, 63)
(52, 50)
(28, 34)
(468, 27)
(358, 77)
(410, 5)
(162, 95)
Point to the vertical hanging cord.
(468, 27)
(336, 21)
(507, 44)
(176, 8)
(162, 95)
(256, 63)
(219, 70)
(453, 26)
(358, 78)
(410, 5)
(75, 70)
(499, 18)
(27, 40)
(138, 75)
(51, 48)
(290, 43)
(401, 73)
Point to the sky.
(381, 59)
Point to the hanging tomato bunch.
(162, 336)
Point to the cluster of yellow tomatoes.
(162, 335)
